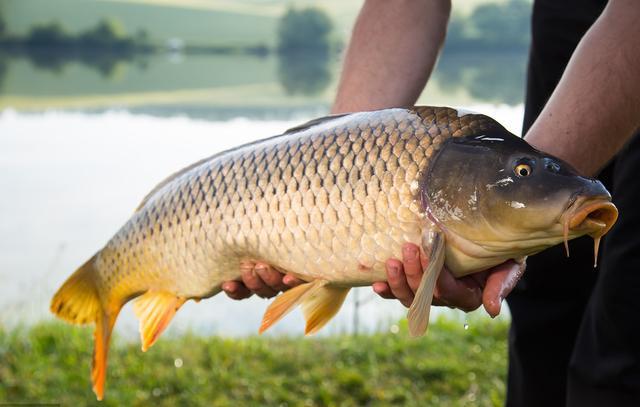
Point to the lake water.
(80, 148)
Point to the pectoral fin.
(418, 315)
(287, 301)
(155, 309)
(322, 305)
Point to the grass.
(48, 363)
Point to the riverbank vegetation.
(49, 363)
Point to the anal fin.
(155, 310)
(418, 315)
(287, 301)
(322, 305)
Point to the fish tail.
(101, 336)
(78, 302)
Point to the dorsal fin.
(314, 122)
(302, 127)
(169, 179)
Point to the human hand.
(467, 293)
(261, 279)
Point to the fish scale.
(330, 201)
(324, 202)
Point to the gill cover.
(496, 198)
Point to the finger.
(382, 289)
(481, 277)
(412, 265)
(270, 276)
(254, 283)
(398, 282)
(236, 290)
(291, 281)
(463, 293)
(500, 281)
(439, 302)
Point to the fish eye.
(522, 170)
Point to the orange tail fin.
(101, 337)
(78, 302)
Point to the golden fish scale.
(332, 202)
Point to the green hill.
(225, 22)
(228, 22)
(162, 23)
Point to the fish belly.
(331, 202)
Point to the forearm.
(391, 54)
(595, 108)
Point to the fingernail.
(230, 288)
(410, 252)
(393, 271)
(287, 279)
(499, 307)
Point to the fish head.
(498, 198)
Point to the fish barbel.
(330, 201)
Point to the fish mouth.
(593, 216)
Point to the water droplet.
(177, 363)
(466, 326)
(394, 329)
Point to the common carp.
(329, 201)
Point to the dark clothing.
(574, 339)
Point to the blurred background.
(101, 99)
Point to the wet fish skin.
(332, 202)
(329, 201)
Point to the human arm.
(393, 49)
(595, 108)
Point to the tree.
(3, 26)
(503, 25)
(3, 72)
(108, 33)
(304, 30)
(48, 34)
(304, 73)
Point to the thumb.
(500, 282)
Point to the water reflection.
(304, 73)
(104, 63)
(496, 78)
(3, 72)
(181, 84)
